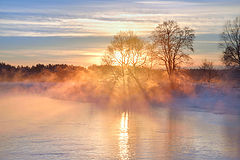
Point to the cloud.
(107, 18)
(169, 3)
(52, 29)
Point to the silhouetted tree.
(39, 72)
(208, 70)
(171, 43)
(231, 43)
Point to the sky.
(78, 31)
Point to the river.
(35, 127)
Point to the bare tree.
(231, 43)
(208, 69)
(126, 49)
(171, 43)
(128, 52)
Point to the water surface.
(37, 127)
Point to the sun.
(119, 60)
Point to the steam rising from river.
(204, 97)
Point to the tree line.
(39, 72)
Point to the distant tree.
(171, 42)
(231, 43)
(208, 69)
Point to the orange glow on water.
(123, 137)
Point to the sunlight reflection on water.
(123, 137)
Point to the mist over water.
(44, 121)
(201, 97)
